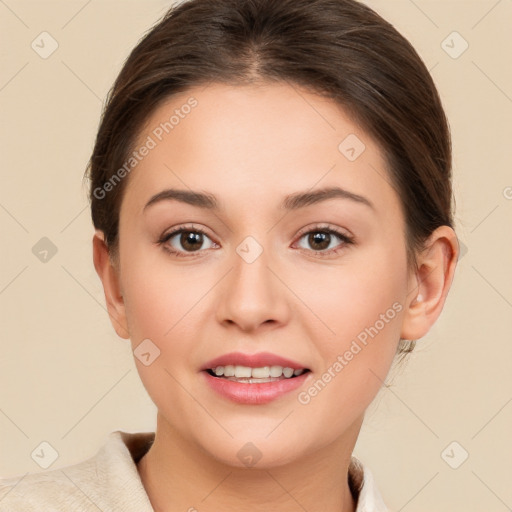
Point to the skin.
(250, 146)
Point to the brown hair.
(340, 49)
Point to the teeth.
(229, 371)
(276, 371)
(261, 373)
(242, 371)
(287, 372)
(264, 372)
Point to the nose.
(252, 294)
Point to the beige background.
(65, 377)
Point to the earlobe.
(109, 276)
(429, 287)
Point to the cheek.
(158, 294)
(361, 309)
(356, 360)
(343, 301)
(159, 307)
(164, 303)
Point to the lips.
(252, 360)
(228, 376)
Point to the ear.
(429, 286)
(109, 275)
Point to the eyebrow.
(290, 202)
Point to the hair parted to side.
(340, 49)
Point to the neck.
(178, 475)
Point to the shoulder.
(53, 490)
(107, 481)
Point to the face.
(265, 272)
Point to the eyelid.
(184, 227)
(346, 239)
(325, 226)
(172, 232)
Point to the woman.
(302, 147)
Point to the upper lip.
(252, 360)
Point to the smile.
(248, 375)
(254, 379)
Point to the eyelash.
(165, 238)
(347, 240)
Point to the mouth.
(257, 375)
(254, 379)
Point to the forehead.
(246, 143)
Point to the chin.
(258, 453)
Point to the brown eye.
(182, 241)
(323, 240)
(190, 240)
(319, 241)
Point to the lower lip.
(254, 394)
